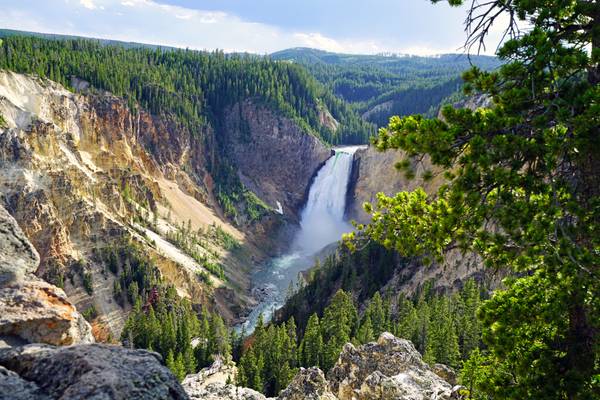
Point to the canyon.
(80, 175)
(82, 172)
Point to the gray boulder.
(223, 391)
(94, 371)
(212, 384)
(14, 388)
(445, 372)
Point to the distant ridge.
(56, 36)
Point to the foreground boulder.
(32, 310)
(13, 387)
(223, 391)
(391, 368)
(38, 312)
(86, 372)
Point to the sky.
(256, 26)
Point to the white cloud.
(89, 4)
(149, 21)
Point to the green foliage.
(163, 322)
(362, 273)
(271, 361)
(136, 272)
(311, 347)
(88, 283)
(194, 244)
(338, 326)
(2, 122)
(386, 85)
(90, 313)
(523, 193)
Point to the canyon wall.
(82, 174)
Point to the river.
(322, 222)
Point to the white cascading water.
(322, 223)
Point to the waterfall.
(321, 223)
(322, 220)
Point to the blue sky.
(258, 26)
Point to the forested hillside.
(380, 86)
(194, 86)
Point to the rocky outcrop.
(391, 368)
(213, 383)
(374, 172)
(86, 372)
(222, 391)
(309, 384)
(32, 310)
(445, 372)
(276, 158)
(38, 312)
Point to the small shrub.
(88, 283)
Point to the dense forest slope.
(380, 86)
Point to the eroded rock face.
(308, 384)
(32, 310)
(212, 384)
(276, 158)
(17, 255)
(391, 368)
(445, 372)
(90, 372)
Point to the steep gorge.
(82, 173)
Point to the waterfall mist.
(322, 220)
(322, 223)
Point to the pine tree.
(180, 371)
(528, 165)
(470, 332)
(170, 362)
(219, 337)
(377, 315)
(365, 333)
(338, 324)
(312, 343)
